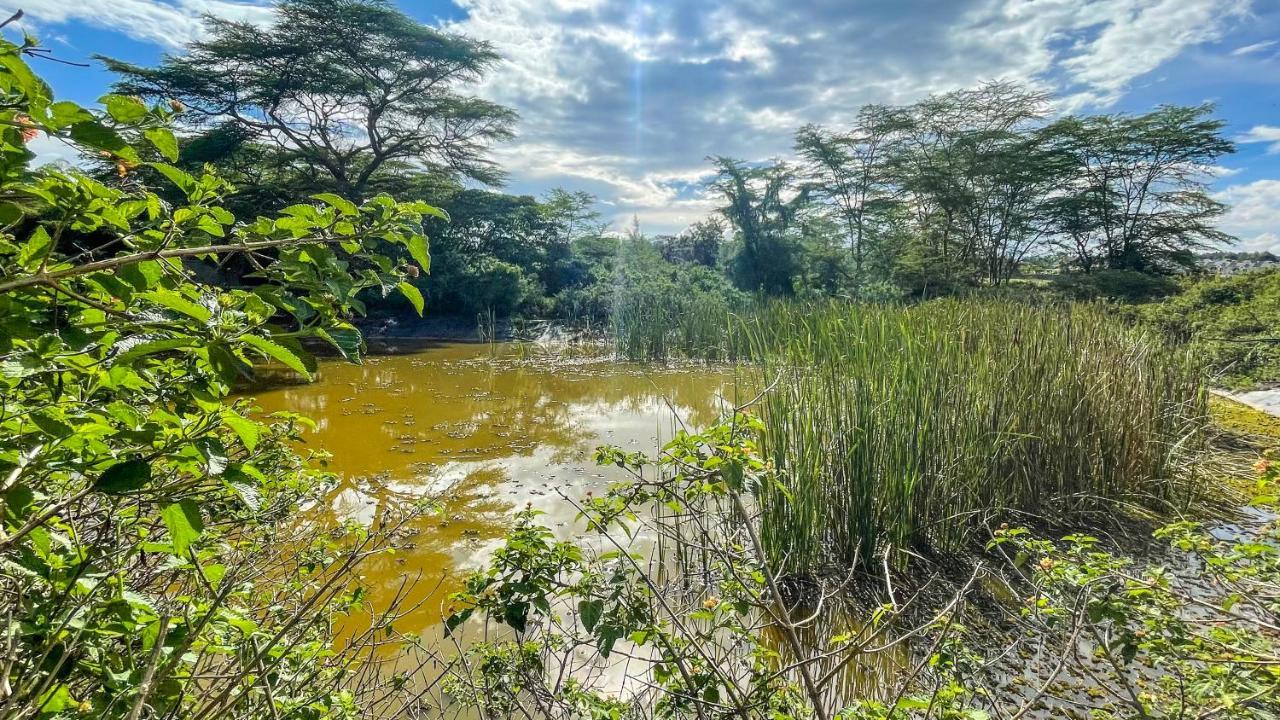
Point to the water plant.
(893, 428)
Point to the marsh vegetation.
(840, 437)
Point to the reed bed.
(898, 428)
(651, 323)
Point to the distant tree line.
(960, 187)
(354, 97)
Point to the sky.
(627, 98)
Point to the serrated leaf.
(277, 352)
(413, 295)
(339, 203)
(164, 141)
(36, 249)
(124, 109)
(590, 612)
(151, 347)
(178, 303)
(247, 430)
(185, 182)
(184, 523)
(417, 245)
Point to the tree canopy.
(346, 88)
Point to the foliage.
(661, 311)
(763, 207)
(343, 88)
(1135, 194)
(899, 428)
(1168, 647)
(142, 514)
(694, 638)
(1229, 321)
(702, 628)
(1123, 285)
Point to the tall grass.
(904, 427)
(652, 322)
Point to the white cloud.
(1100, 47)
(1262, 134)
(171, 23)
(1254, 48)
(627, 97)
(1254, 215)
(621, 93)
(50, 151)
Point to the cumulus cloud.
(1269, 134)
(1254, 216)
(627, 97)
(624, 94)
(169, 23)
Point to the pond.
(482, 430)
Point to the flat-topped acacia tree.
(343, 88)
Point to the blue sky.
(626, 98)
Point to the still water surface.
(483, 430)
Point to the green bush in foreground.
(706, 630)
(150, 564)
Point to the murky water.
(483, 430)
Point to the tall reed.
(654, 322)
(903, 427)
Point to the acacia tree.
(971, 169)
(1135, 197)
(338, 88)
(848, 169)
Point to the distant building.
(1235, 266)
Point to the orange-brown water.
(482, 430)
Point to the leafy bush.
(1125, 285)
(1068, 629)
(142, 515)
(1231, 322)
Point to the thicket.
(152, 560)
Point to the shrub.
(150, 561)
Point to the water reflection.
(482, 432)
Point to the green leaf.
(124, 109)
(346, 338)
(124, 477)
(413, 295)
(36, 249)
(590, 610)
(148, 348)
(247, 430)
(52, 425)
(64, 113)
(164, 141)
(184, 524)
(176, 302)
(100, 137)
(277, 352)
(417, 245)
(185, 182)
(341, 204)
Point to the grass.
(907, 427)
(658, 323)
